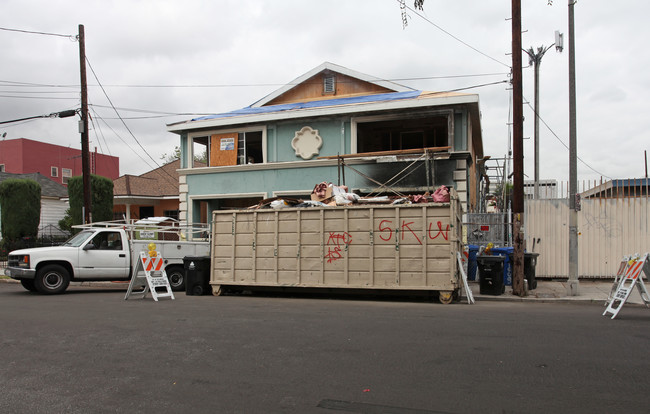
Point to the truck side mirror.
(89, 246)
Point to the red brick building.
(58, 163)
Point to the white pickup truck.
(97, 253)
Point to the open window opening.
(400, 134)
(249, 148)
(200, 149)
(217, 149)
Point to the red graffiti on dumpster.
(337, 239)
(444, 233)
(384, 227)
(386, 231)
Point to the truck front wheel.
(176, 276)
(52, 279)
(28, 284)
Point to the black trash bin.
(490, 270)
(530, 262)
(197, 275)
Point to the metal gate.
(484, 228)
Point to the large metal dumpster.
(394, 247)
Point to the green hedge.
(101, 189)
(20, 208)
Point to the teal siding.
(302, 178)
(335, 134)
(266, 181)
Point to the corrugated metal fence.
(608, 228)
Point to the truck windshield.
(78, 239)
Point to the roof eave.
(324, 111)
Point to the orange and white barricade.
(630, 275)
(154, 279)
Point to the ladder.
(630, 277)
(154, 278)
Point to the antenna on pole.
(559, 41)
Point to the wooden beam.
(386, 153)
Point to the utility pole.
(572, 285)
(517, 154)
(535, 59)
(83, 128)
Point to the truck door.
(105, 256)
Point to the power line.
(32, 92)
(38, 97)
(564, 144)
(237, 85)
(73, 37)
(147, 111)
(452, 36)
(126, 126)
(31, 84)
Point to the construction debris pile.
(326, 194)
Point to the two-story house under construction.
(336, 125)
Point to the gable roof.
(49, 188)
(327, 66)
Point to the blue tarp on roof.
(393, 96)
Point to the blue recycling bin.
(472, 251)
(506, 252)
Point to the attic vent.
(329, 84)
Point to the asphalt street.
(90, 351)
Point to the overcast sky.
(160, 58)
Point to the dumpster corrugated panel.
(378, 247)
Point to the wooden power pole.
(572, 284)
(83, 128)
(517, 154)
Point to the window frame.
(354, 121)
(66, 174)
(189, 157)
(54, 172)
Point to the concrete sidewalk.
(590, 291)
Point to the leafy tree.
(176, 154)
(20, 209)
(173, 156)
(503, 195)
